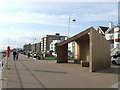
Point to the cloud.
(19, 39)
(38, 18)
(21, 15)
(65, 0)
(92, 17)
(22, 21)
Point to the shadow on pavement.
(111, 70)
(47, 71)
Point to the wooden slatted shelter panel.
(99, 51)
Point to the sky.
(27, 21)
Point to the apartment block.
(27, 47)
(45, 43)
(38, 47)
(34, 47)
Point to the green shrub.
(50, 58)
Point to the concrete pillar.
(62, 54)
(77, 51)
(82, 50)
(99, 52)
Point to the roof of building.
(80, 36)
(111, 31)
(104, 29)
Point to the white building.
(112, 34)
(116, 37)
(71, 46)
(53, 46)
(45, 43)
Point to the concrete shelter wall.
(91, 46)
(99, 52)
(82, 50)
(77, 51)
(62, 54)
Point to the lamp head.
(74, 20)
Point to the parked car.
(54, 54)
(116, 58)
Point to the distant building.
(102, 30)
(53, 45)
(38, 47)
(34, 47)
(45, 43)
(71, 47)
(27, 47)
(112, 34)
(116, 37)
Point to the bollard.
(8, 67)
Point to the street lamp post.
(69, 24)
(34, 39)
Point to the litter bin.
(38, 58)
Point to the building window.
(63, 38)
(53, 38)
(119, 36)
(44, 38)
(117, 45)
(112, 45)
(111, 37)
(51, 44)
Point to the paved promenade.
(0, 56)
(30, 73)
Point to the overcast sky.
(23, 20)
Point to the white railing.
(114, 50)
(3, 63)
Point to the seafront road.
(31, 73)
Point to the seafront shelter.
(91, 47)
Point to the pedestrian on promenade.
(28, 54)
(14, 54)
(17, 54)
(3, 54)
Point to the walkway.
(0, 56)
(30, 73)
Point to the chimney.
(58, 34)
(110, 25)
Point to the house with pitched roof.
(111, 33)
(102, 30)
